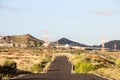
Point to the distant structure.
(46, 44)
(103, 44)
(115, 47)
(57, 43)
(67, 46)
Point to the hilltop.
(70, 42)
(27, 39)
(109, 44)
(112, 43)
(30, 40)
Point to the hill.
(71, 43)
(112, 43)
(27, 39)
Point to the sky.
(83, 21)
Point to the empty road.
(60, 69)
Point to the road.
(60, 69)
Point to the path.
(60, 69)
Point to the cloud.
(104, 12)
(14, 9)
(107, 12)
(5, 7)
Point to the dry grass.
(101, 61)
(25, 58)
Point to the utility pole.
(46, 43)
(115, 47)
(57, 43)
(103, 44)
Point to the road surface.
(60, 69)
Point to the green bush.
(36, 68)
(117, 62)
(83, 67)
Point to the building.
(78, 47)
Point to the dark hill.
(72, 43)
(111, 44)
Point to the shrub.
(117, 62)
(36, 68)
(4, 77)
(9, 67)
(83, 67)
(43, 64)
(9, 64)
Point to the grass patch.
(83, 67)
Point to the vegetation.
(9, 66)
(17, 61)
(106, 63)
(117, 62)
(36, 68)
(83, 67)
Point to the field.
(105, 63)
(17, 61)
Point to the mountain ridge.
(27, 39)
(111, 44)
(30, 40)
(70, 42)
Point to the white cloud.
(5, 7)
(105, 12)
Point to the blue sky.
(84, 21)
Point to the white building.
(6, 45)
(46, 44)
(67, 46)
(78, 47)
